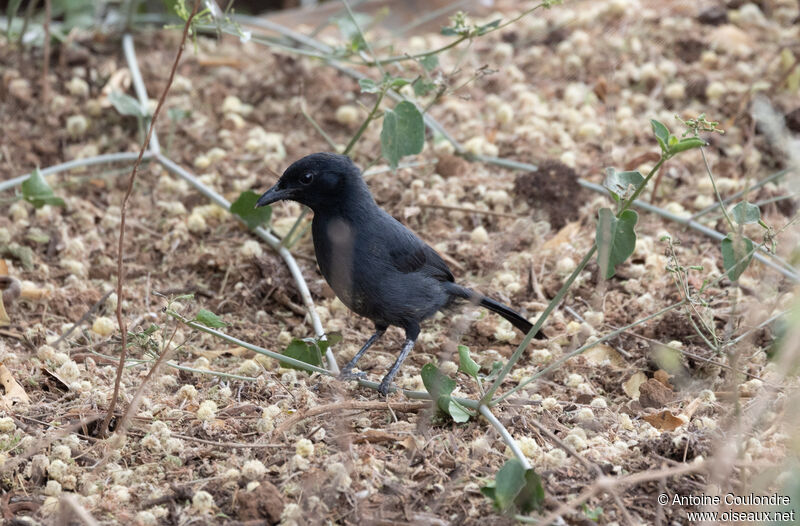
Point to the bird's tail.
(512, 316)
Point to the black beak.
(272, 195)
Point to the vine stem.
(487, 397)
(505, 435)
(121, 245)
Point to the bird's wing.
(410, 254)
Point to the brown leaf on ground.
(264, 502)
(633, 384)
(654, 394)
(14, 393)
(662, 376)
(663, 421)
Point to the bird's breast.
(334, 245)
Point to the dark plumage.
(374, 264)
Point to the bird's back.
(379, 268)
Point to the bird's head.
(319, 181)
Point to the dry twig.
(120, 267)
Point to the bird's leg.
(347, 370)
(387, 380)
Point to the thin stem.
(285, 359)
(505, 435)
(317, 127)
(28, 14)
(287, 240)
(124, 207)
(459, 40)
(740, 193)
(46, 59)
(366, 122)
(417, 395)
(716, 192)
(762, 254)
(561, 293)
(76, 163)
(299, 236)
(486, 399)
(585, 348)
(271, 240)
(138, 84)
(429, 16)
(363, 37)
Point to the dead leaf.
(662, 376)
(631, 386)
(602, 354)
(32, 292)
(14, 393)
(120, 81)
(691, 407)
(664, 421)
(654, 394)
(4, 319)
(562, 236)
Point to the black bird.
(375, 265)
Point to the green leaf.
(209, 319)
(300, 350)
(422, 87)
(515, 489)
(436, 383)
(737, 252)
(662, 134)
(482, 30)
(531, 496)
(178, 114)
(615, 238)
(126, 105)
(746, 213)
(465, 362)
(449, 31)
(458, 412)
(429, 62)
(369, 86)
(622, 185)
(403, 132)
(37, 192)
(22, 253)
(245, 207)
(397, 82)
(333, 338)
(439, 386)
(689, 143)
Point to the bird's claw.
(349, 374)
(384, 388)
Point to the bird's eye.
(306, 178)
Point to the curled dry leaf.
(602, 354)
(31, 292)
(120, 81)
(631, 386)
(664, 421)
(14, 393)
(654, 394)
(662, 376)
(563, 236)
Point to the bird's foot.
(384, 388)
(349, 374)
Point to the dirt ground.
(571, 90)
